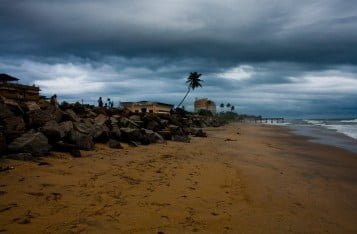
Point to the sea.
(341, 133)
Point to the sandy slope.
(264, 180)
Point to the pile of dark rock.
(35, 129)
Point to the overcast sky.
(269, 57)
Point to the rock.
(178, 138)
(20, 156)
(156, 138)
(66, 127)
(44, 104)
(5, 112)
(38, 118)
(58, 114)
(133, 143)
(165, 134)
(3, 145)
(12, 105)
(175, 130)
(135, 118)
(198, 132)
(13, 127)
(83, 141)
(114, 144)
(31, 106)
(35, 143)
(127, 123)
(100, 119)
(100, 133)
(70, 115)
(84, 127)
(65, 147)
(53, 131)
(115, 133)
(130, 134)
(153, 125)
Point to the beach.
(242, 178)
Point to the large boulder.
(66, 127)
(114, 144)
(53, 131)
(135, 118)
(100, 133)
(5, 112)
(38, 118)
(166, 134)
(31, 106)
(35, 143)
(175, 130)
(153, 137)
(85, 127)
(130, 134)
(100, 119)
(13, 127)
(115, 132)
(12, 105)
(70, 115)
(153, 125)
(82, 141)
(198, 132)
(127, 123)
(3, 145)
(183, 138)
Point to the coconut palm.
(228, 105)
(193, 82)
(232, 108)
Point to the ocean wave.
(346, 129)
(349, 121)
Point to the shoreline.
(264, 179)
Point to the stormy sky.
(274, 58)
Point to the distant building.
(9, 88)
(147, 106)
(205, 104)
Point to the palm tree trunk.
(189, 89)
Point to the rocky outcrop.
(53, 131)
(35, 143)
(38, 118)
(39, 127)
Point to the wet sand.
(263, 180)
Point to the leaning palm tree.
(193, 82)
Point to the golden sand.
(263, 180)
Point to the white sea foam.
(346, 127)
(349, 121)
(348, 130)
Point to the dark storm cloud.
(281, 57)
(254, 30)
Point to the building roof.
(146, 103)
(204, 101)
(6, 77)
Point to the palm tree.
(222, 105)
(193, 82)
(232, 108)
(228, 105)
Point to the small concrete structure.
(147, 106)
(205, 104)
(15, 91)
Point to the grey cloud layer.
(245, 30)
(280, 57)
(276, 88)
